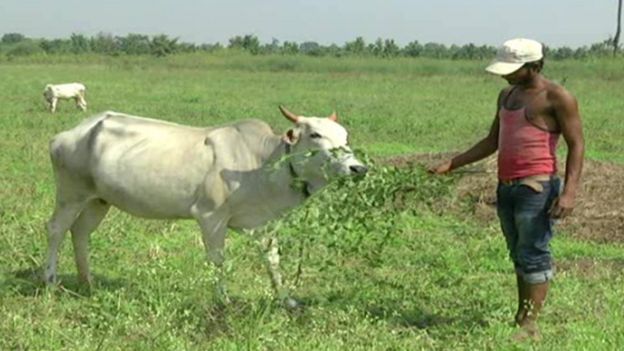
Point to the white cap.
(514, 54)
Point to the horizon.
(225, 44)
(558, 23)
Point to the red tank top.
(523, 148)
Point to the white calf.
(53, 92)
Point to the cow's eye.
(315, 135)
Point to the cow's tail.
(55, 147)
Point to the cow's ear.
(333, 117)
(291, 137)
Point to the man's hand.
(442, 168)
(562, 207)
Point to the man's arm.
(484, 148)
(567, 115)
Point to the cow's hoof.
(223, 300)
(292, 304)
(85, 282)
(49, 279)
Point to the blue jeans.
(528, 228)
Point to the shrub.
(25, 48)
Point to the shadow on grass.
(216, 320)
(392, 312)
(29, 282)
(415, 318)
(381, 306)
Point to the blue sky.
(555, 22)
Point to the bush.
(26, 48)
(12, 38)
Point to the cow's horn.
(333, 117)
(291, 116)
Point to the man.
(531, 113)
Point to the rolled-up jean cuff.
(538, 277)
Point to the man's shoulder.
(505, 91)
(559, 97)
(557, 92)
(553, 86)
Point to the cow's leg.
(273, 262)
(62, 219)
(214, 228)
(53, 103)
(80, 102)
(72, 196)
(87, 222)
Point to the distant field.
(377, 274)
(394, 106)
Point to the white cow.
(238, 176)
(53, 92)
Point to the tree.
(356, 47)
(211, 47)
(248, 42)
(434, 50)
(616, 39)
(161, 45)
(390, 48)
(25, 48)
(79, 43)
(55, 46)
(601, 49)
(377, 47)
(471, 52)
(186, 47)
(273, 47)
(12, 38)
(562, 53)
(581, 53)
(334, 50)
(104, 43)
(413, 49)
(290, 48)
(136, 44)
(311, 48)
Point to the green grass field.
(379, 272)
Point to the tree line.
(16, 44)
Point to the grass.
(384, 268)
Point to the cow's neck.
(285, 179)
(296, 182)
(270, 190)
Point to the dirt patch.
(599, 212)
(587, 267)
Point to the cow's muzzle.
(358, 170)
